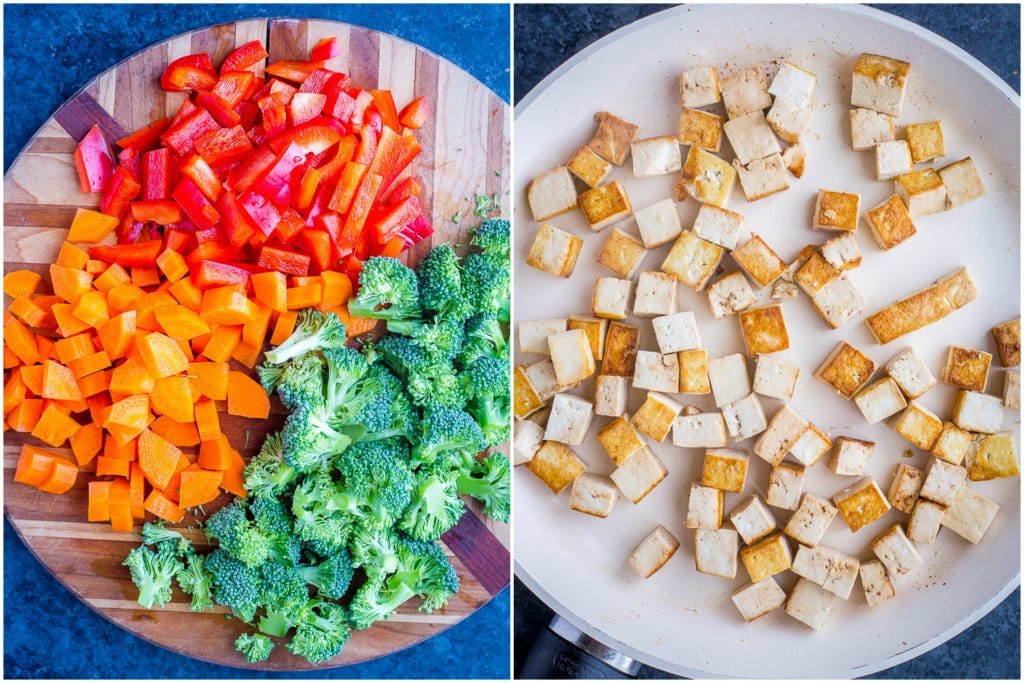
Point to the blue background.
(50, 52)
(547, 35)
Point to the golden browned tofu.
(836, 211)
(764, 330)
(1007, 336)
(815, 274)
(992, 457)
(589, 167)
(759, 261)
(846, 370)
(605, 204)
(612, 138)
(621, 253)
(767, 557)
(654, 418)
(923, 308)
(725, 469)
(693, 372)
(596, 329)
(525, 398)
(966, 368)
(700, 129)
(620, 347)
(925, 140)
(692, 260)
(918, 425)
(620, 440)
(554, 251)
(890, 223)
(705, 177)
(556, 465)
(879, 84)
(861, 504)
(923, 192)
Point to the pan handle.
(562, 651)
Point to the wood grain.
(464, 144)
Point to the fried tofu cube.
(785, 287)
(621, 254)
(730, 294)
(811, 520)
(868, 128)
(811, 447)
(725, 469)
(762, 177)
(543, 379)
(764, 330)
(605, 205)
(966, 368)
(658, 223)
(610, 393)
(767, 557)
(569, 420)
(572, 356)
(554, 251)
(922, 192)
(677, 332)
(861, 503)
(952, 444)
(969, 515)
(1011, 390)
(596, 329)
(525, 400)
(836, 210)
(589, 167)
(879, 400)
(619, 440)
(654, 418)
(653, 552)
(890, 223)
(744, 418)
(556, 465)
(620, 347)
(639, 475)
(841, 252)
(925, 140)
(1007, 336)
(692, 260)
(551, 194)
(699, 129)
(992, 457)
(527, 440)
(752, 520)
(754, 600)
(715, 552)
(655, 294)
(847, 369)
(834, 571)
(923, 308)
(612, 138)
(925, 521)
(815, 274)
(839, 301)
(896, 551)
(704, 430)
(593, 495)
(962, 181)
(793, 83)
(977, 412)
(879, 84)
(785, 482)
(910, 373)
(729, 379)
(892, 159)
(774, 378)
(906, 487)
(751, 137)
(718, 226)
(850, 456)
(810, 604)
(705, 507)
(705, 177)
(698, 87)
(656, 156)
(877, 585)
(759, 261)
(533, 334)
(611, 298)
(789, 120)
(785, 429)
(656, 372)
(918, 425)
(693, 372)
(745, 91)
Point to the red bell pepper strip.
(128, 159)
(219, 109)
(129, 230)
(212, 251)
(293, 70)
(200, 173)
(251, 169)
(156, 173)
(244, 56)
(209, 274)
(247, 113)
(363, 102)
(145, 138)
(395, 218)
(177, 239)
(386, 106)
(224, 146)
(333, 225)
(232, 86)
(192, 72)
(315, 136)
(192, 201)
(352, 267)
(140, 255)
(275, 118)
(258, 239)
(394, 153)
(276, 183)
(417, 231)
(159, 211)
(121, 189)
(290, 225)
(281, 90)
(415, 114)
(340, 105)
(367, 150)
(373, 122)
(181, 136)
(325, 49)
(284, 260)
(317, 244)
(320, 81)
(360, 209)
(348, 184)
(308, 185)
(93, 161)
(184, 110)
(236, 225)
(305, 107)
(410, 187)
(336, 161)
(264, 214)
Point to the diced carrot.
(94, 383)
(246, 397)
(137, 491)
(199, 487)
(215, 454)
(179, 322)
(117, 334)
(62, 477)
(162, 356)
(88, 365)
(73, 348)
(270, 289)
(304, 296)
(99, 406)
(121, 506)
(209, 379)
(123, 297)
(86, 443)
(28, 311)
(174, 485)
(207, 421)
(47, 347)
(234, 476)
(359, 326)
(15, 391)
(67, 324)
(163, 507)
(128, 418)
(34, 465)
(117, 451)
(186, 348)
(181, 434)
(284, 327)
(147, 304)
(73, 406)
(158, 458)
(145, 277)
(95, 267)
(131, 377)
(68, 283)
(199, 343)
(172, 396)
(247, 355)
(254, 332)
(99, 501)
(32, 376)
(54, 426)
(11, 360)
(91, 308)
(21, 341)
(303, 280)
(91, 226)
(114, 275)
(112, 467)
(59, 382)
(187, 294)
(222, 342)
(21, 283)
(226, 306)
(71, 256)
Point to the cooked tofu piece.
(785, 482)
(952, 444)
(621, 254)
(744, 418)
(620, 347)
(793, 84)
(918, 425)
(718, 226)
(910, 373)
(533, 334)
(815, 274)
(658, 223)
(789, 120)
(556, 465)
(654, 418)
(725, 469)
(653, 552)
(610, 393)
(896, 551)
(571, 356)
(925, 140)
(850, 456)
(699, 129)
(751, 137)
(596, 329)
(655, 294)
(612, 138)
(811, 520)
(730, 294)
(639, 475)
(692, 260)
(704, 430)
(611, 298)
(875, 580)
(969, 515)
(677, 332)
(962, 181)
(923, 308)
(656, 372)
(977, 412)
(841, 252)
(890, 223)
(656, 156)
(525, 400)
(745, 91)
(941, 481)
(551, 194)
(764, 330)
(698, 87)
(847, 369)
(586, 165)
(715, 552)
(705, 507)
(1007, 336)
(785, 287)
(810, 604)
(605, 205)
(693, 372)
(905, 488)
(785, 429)
(839, 301)
(966, 368)
(554, 251)
(831, 569)
(892, 159)
(593, 495)
(526, 441)
(729, 379)
(992, 457)
(543, 379)
(752, 520)
(619, 440)
(925, 521)
(879, 84)
(754, 600)
(795, 158)
(759, 261)
(811, 447)
(569, 420)
(775, 379)
(1011, 390)
(922, 192)
(861, 503)
(767, 557)
(879, 400)
(762, 177)
(705, 177)
(868, 128)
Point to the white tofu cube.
(879, 84)
(698, 87)
(1011, 390)
(785, 482)
(970, 514)
(838, 301)
(795, 158)
(841, 252)
(923, 192)
(745, 91)
(658, 223)
(610, 393)
(977, 412)
(775, 379)
(762, 177)
(918, 425)
(810, 604)
(692, 260)
(962, 181)
(593, 495)
(730, 294)
(612, 137)
(925, 521)
(784, 430)
(715, 552)
(752, 520)
(896, 551)
(639, 475)
(755, 600)
(653, 552)
(834, 571)
(875, 581)
(942, 481)
(705, 430)
(789, 120)
(569, 420)
(793, 83)
(812, 445)
(527, 439)
(744, 418)
(551, 194)
(811, 520)
(879, 400)
(533, 334)
(906, 485)
(543, 379)
(588, 166)
(729, 379)
(751, 137)
(892, 158)
(910, 373)
(656, 372)
(554, 251)
(655, 294)
(718, 226)
(850, 456)
(572, 356)
(611, 298)
(705, 508)
(677, 332)
(868, 128)
(656, 156)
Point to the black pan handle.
(562, 651)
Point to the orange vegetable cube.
(114, 275)
(34, 466)
(337, 289)
(234, 476)
(54, 426)
(123, 297)
(145, 307)
(69, 283)
(15, 391)
(71, 256)
(21, 283)
(117, 334)
(91, 308)
(87, 365)
(59, 382)
(172, 396)
(199, 487)
(174, 485)
(25, 416)
(145, 277)
(179, 322)
(67, 324)
(284, 327)
(22, 342)
(28, 311)
(163, 507)
(209, 379)
(246, 397)
(91, 226)
(207, 421)
(131, 377)
(355, 327)
(117, 451)
(270, 289)
(11, 360)
(254, 332)
(128, 418)
(159, 458)
(86, 443)
(172, 265)
(47, 347)
(32, 376)
(181, 434)
(112, 467)
(95, 267)
(215, 454)
(187, 294)
(99, 501)
(137, 491)
(162, 356)
(226, 306)
(99, 405)
(222, 342)
(121, 506)
(75, 347)
(303, 280)
(247, 355)
(304, 296)
(94, 383)
(62, 477)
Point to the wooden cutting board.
(465, 145)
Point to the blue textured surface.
(548, 35)
(49, 53)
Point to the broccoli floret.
(238, 536)
(487, 382)
(377, 599)
(374, 549)
(429, 380)
(235, 585)
(317, 519)
(440, 280)
(152, 571)
(332, 576)
(267, 475)
(270, 376)
(321, 632)
(302, 381)
(483, 337)
(377, 481)
(272, 516)
(284, 596)
(488, 481)
(313, 330)
(195, 580)
(309, 439)
(440, 339)
(485, 284)
(387, 289)
(345, 368)
(435, 506)
(446, 430)
(154, 534)
(255, 646)
(494, 238)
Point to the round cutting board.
(464, 144)
(683, 621)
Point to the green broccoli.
(377, 481)
(429, 381)
(309, 439)
(374, 550)
(440, 282)
(487, 382)
(317, 519)
(302, 381)
(494, 238)
(154, 534)
(435, 506)
(284, 596)
(195, 580)
(332, 576)
(488, 482)
(485, 284)
(321, 632)
(255, 646)
(239, 536)
(235, 584)
(446, 430)
(267, 475)
(388, 289)
(152, 571)
(345, 370)
(313, 331)
(441, 339)
(483, 337)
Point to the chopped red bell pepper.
(232, 86)
(184, 110)
(305, 107)
(129, 230)
(128, 159)
(93, 161)
(416, 114)
(224, 146)
(351, 177)
(363, 102)
(331, 223)
(417, 231)
(139, 255)
(340, 105)
(251, 169)
(192, 72)
(293, 70)
(335, 161)
(212, 250)
(289, 226)
(409, 187)
(314, 136)
(317, 244)
(394, 218)
(121, 189)
(308, 185)
(353, 267)
(177, 239)
(156, 173)
(394, 153)
(199, 172)
(236, 225)
(146, 137)
(209, 274)
(244, 56)
(325, 49)
(159, 211)
(321, 80)
(198, 208)
(359, 210)
(276, 184)
(181, 137)
(219, 109)
(281, 90)
(367, 150)
(385, 104)
(275, 119)
(373, 123)
(320, 203)
(282, 260)
(264, 214)
(247, 113)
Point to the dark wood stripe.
(482, 553)
(364, 58)
(82, 112)
(217, 41)
(52, 146)
(287, 40)
(38, 215)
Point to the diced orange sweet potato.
(337, 290)
(96, 382)
(304, 296)
(247, 355)
(145, 317)
(15, 391)
(145, 277)
(187, 294)
(234, 476)
(59, 383)
(181, 434)
(207, 421)
(137, 491)
(123, 297)
(215, 454)
(91, 226)
(25, 416)
(172, 265)
(21, 341)
(179, 322)
(69, 283)
(117, 334)
(209, 379)
(114, 275)
(270, 289)
(284, 326)
(88, 365)
(91, 308)
(131, 377)
(174, 485)
(128, 417)
(162, 356)
(62, 477)
(226, 306)
(222, 342)
(158, 458)
(163, 507)
(121, 506)
(71, 256)
(74, 347)
(118, 451)
(112, 467)
(28, 311)
(254, 332)
(246, 397)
